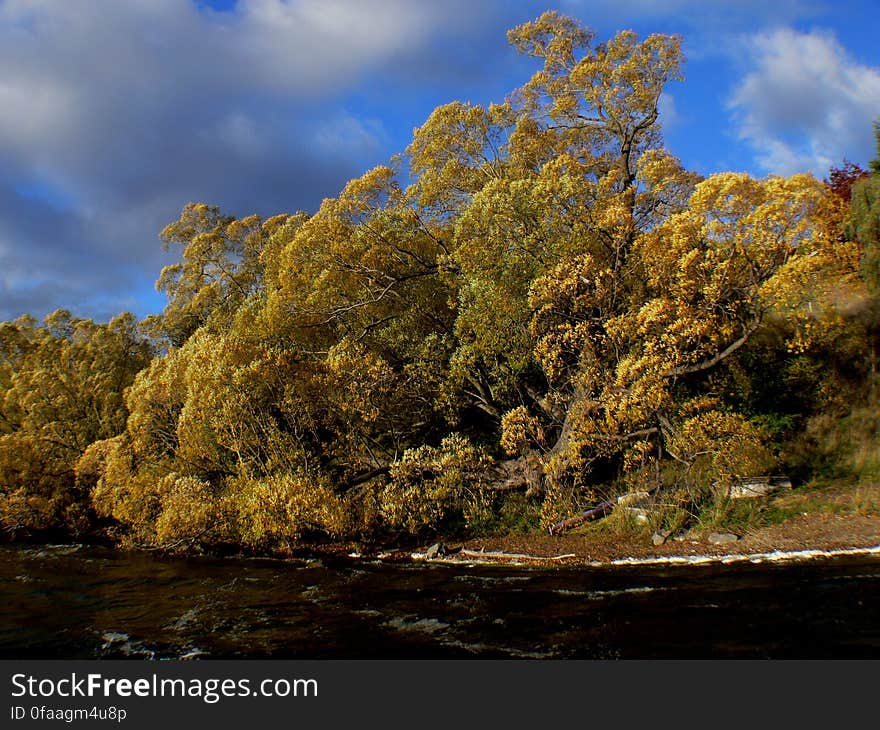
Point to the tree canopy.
(536, 296)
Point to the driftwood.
(594, 513)
(600, 510)
(512, 556)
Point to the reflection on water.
(84, 602)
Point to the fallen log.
(601, 510)
(512, 556)
(594, 513)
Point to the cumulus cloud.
(118, 113)
(805, 105)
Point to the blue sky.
(115, 113)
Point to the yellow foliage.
(719, 449)
(552, 283)
(519, 431)
(62, 388)
(429, 484)
(279, 509)
(188, 510)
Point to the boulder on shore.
(633, 499)
(437, 550)
(755, 487)
(722, 538)
(660, 537)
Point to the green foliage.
(875, 163)
(846, 447)
(863, 221)
(511, 514)
(865, 228)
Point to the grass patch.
(866, 501)
(512, 514)
(821, 497)
(843, 448)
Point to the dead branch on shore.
(512, 556)
(594, 513)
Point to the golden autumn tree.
(219, 268)
(697, 288)
(319, 376)
(552, 304)
(570, 167)
(63, 384)
(600, 286)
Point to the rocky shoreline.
(806, 537)
(471, 557)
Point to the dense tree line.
(62, 389)
(535, 305)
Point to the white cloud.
(308, 46)
(670, 117)
(347, 136)
(86, 82)
(806, 104)
(131, 108)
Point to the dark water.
(85, 602)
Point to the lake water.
(71, 601)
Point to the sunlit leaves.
(549, 296)
(219, 268)
(63, 385)
(428, 484)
